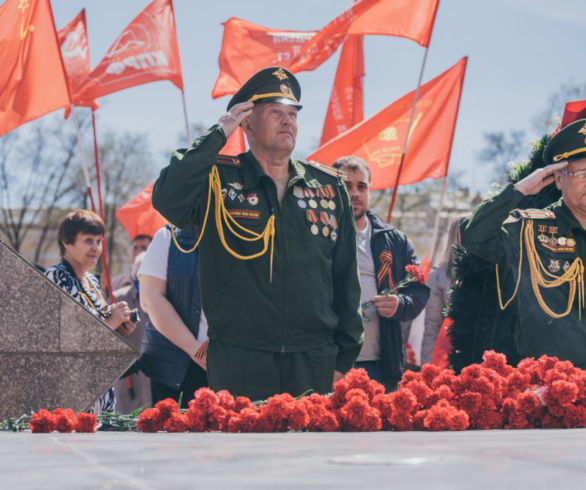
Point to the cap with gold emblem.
(568, 144)
(273, 84)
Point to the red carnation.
(204, 399)
(403, 401)
(177, 422)
(443, 416)
(166, 407)
(64, 419)
(42, 422)
(562, 393)
(421, 391)
(149, 420)
(430, 372)
(86, 422)
(241, 403)
(226, 400)
(299, 418)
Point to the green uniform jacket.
(558, 242)
(314, 297)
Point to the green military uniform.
(297, 304)
(558, 240)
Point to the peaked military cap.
(568, 144)
(272, 84)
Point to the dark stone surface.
(53, 352)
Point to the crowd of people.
(296, 274)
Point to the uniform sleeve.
(413, 296)
(346, 283)
(482, 233)
(180, 192)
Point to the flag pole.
(185, 117)
(416, 98)
(394, 196)
(110, 291)
(86, 176)
(432, 247)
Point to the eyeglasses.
(580, 174)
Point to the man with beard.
(278, 272)
(543, 249)
(383, 253)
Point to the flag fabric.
(146, 51)
(138, 217)
(345, 107)
(73, 43)
(574, 111)
(32, 79)
(248, 47)
(412, 19)
(379, 140)
(235, 144)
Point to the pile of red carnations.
(62, 420)
(543, 393)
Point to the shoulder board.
(228, 160)
(518, 214)
(334, 172)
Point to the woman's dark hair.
(75, 222)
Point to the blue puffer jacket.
(412, 298)
(160, 359)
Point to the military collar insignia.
(280, 74)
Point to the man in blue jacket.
(383, 252)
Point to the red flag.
(138, 217)
(412, 19)
(248, 47)
(345, 107)
(146, 51)
(32, 79)
(73, 43)
(235, 144)
(574, 111)
(379, 140)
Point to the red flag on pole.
(248, 47)
(235, 144)
(345, 107)
(138, 217)
(574, 111)
(379, 140)
(73, 43)
(146, 51)
(411, 19)
(32, 79)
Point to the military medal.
(566, 266)
(312, 218)
(298, 191)
(252, 199)
(324, 203)
(329, 190)
(312, 203)
(314, 229)
(334, 235)
(325, 231)
(307, 192)
(570, 242)
(301, 203)
(332, 205)
(241, 197)
(554, 265)
(542, 238)
(232, 194)
(562, 241)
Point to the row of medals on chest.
(307, 199)
(555, 241)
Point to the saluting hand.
(230, 121)
(539, 179)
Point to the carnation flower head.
(429, 372)
(177, 422)
(166, 407)
(42, 422)
(562, 393)
(86, 422)
(421, 391)
(444, 416)
(403, 401)
(64, 419)
(497, 362)
(149, 420)
(226, 400)
(204, 399)
(241, 402)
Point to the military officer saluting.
(544, 250)
(278, 267)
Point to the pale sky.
(520, 52)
